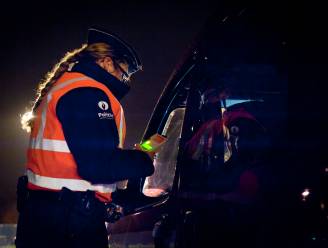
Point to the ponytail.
(46, 84)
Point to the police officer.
(75, 156)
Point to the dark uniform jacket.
(94, 141)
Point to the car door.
(139, 227)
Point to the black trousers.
(64, 219)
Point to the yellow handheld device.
(153, 143)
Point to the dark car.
(224, 177)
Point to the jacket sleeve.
(93, 139)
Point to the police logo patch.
(103, 105)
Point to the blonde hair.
(91, 52)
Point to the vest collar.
(93, 70)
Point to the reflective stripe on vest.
(72, 184)
(120, 135)
(49, 145)
(55, 145)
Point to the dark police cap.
(122, 50)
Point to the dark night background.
(36, 35)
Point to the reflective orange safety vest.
(50, 164)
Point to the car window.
(165, 159)
(222, 141)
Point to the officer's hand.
(151, 154)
